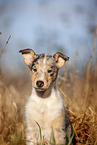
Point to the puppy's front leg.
(32, 136)
(29, 136)
(57, 126)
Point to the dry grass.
(11, 119)
(82, 116)
(81, 113)
(81, 106)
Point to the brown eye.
(35, 70)
(49, 71)
(51, 74)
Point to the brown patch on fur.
(48, 79)
(48, 67)
(37, 66)
(33, 77)
(50, 75)
(58, 54)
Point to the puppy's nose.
(39, 84)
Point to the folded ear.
(28, 55)
(60, 59)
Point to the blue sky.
(46, 26)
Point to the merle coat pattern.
(45, 107)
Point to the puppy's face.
(43, 68)
(43, 71)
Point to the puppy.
(45, 116)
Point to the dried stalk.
(5, 45)
(2, 53)
(86, 88)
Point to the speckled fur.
(45, 106)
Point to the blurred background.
(46, 26)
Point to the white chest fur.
(46, 109)
(42, 111)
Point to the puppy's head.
(43, 68)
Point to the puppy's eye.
(49, 71)
(35, 69)
(51, 74)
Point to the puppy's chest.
(43, 111)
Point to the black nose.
(40, 84)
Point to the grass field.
(80, 98)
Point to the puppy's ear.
(28, 55)
(60, 59)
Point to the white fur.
(43, 111)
